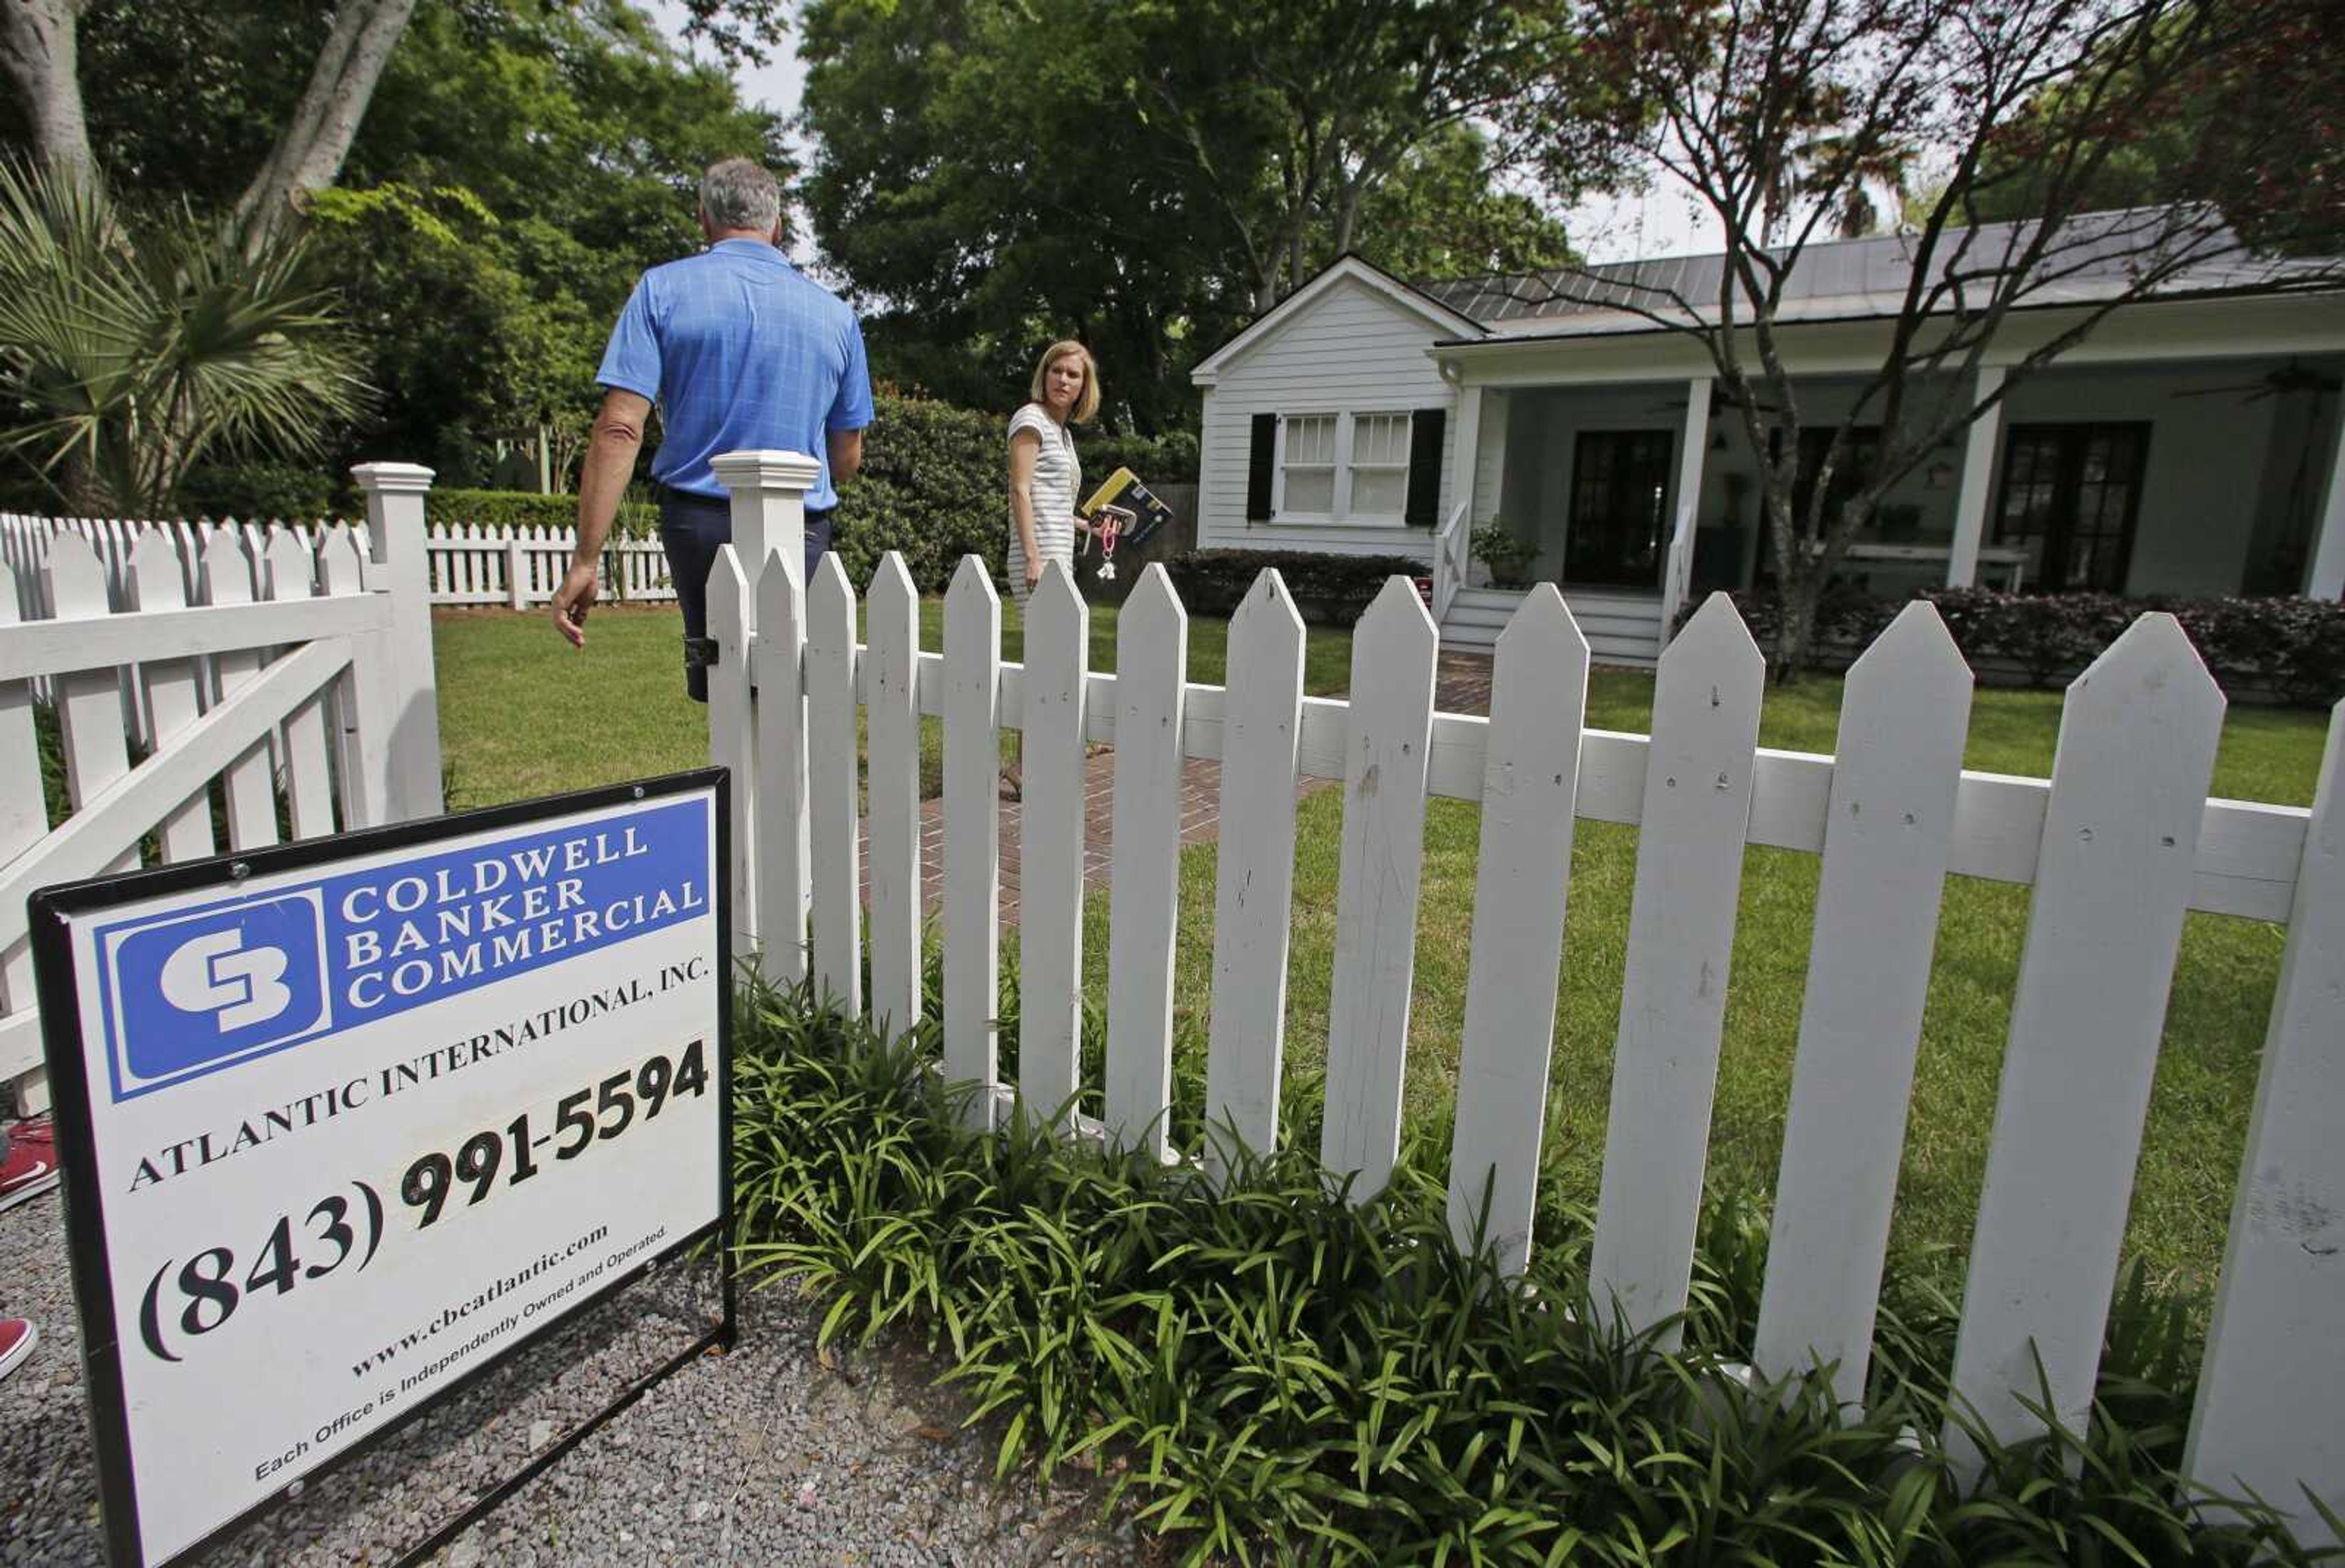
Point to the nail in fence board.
(1697, 804)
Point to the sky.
(1605, 228)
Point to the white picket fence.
(2118, 844)
(469, 563)
(289, 663)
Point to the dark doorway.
(1618, 526)
(2070, 494)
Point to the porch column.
(1676, 559)
(2324, 577)
(1978, 473)
(1467, 448)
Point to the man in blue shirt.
(742, 352)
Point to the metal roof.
(2094, 256)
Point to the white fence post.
(1386, 751)
(364, 700)
(1530, 780)
(1697, 808)
(1050, 831)
(2273, 1383)
(394, 502)
(1262, 731)
(89, 702)
(732, 737)
(768, 491)
(892, 775)
(1144, 889)
(973, 849)
(2129, 778)
(831, 777)
(173, 699)
(1903, 717)
(768, 692)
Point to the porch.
(2193, 476)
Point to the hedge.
(1329, 590)
(2286, 648)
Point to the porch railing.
(1449, 558)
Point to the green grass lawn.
(520, 715)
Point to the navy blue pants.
(693, 528)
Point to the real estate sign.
(346, 1121)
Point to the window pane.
(1380, 438)
(1310, 490)
(1379, 492)
(1311, 440)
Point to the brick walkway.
(1461, 685)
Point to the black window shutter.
(1258, 463)
(1425, 466)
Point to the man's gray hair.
(739, 194)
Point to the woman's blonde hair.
(1086, 405)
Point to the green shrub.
(260, 492)
(1329, 590)
(1273, 1374)
(2287, 647)
(1159, 460)
(527, 509)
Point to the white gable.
(1348, 274)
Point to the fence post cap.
(386, 479)
(765, 470)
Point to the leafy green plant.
(1507, 554)
(136, 349)
(1266, 1371)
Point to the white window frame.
(1341, 515)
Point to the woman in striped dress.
(1044, 475)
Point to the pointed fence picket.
(1050, 831)
(972, 712)
(831, 783)
(1904, 712)
(1538, 699)
(1387, 748)
(1262, 731)
(1697, 809)
(2129, 778)
(2117, 845)
(892, 682)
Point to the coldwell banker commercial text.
(199, 991)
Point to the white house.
(2190, 446)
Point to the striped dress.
(1058, 479)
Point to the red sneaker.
(31, 1167)
(18, 1339)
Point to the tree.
(992, 174)
(137, 360)
(40, 52)
(2046, 91)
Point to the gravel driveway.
(772, 1454)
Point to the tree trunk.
(40, 52)
(308, 154)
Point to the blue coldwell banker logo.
(201, 990)
(193, 992)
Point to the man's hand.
(572, 600)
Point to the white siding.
(1351, 349)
